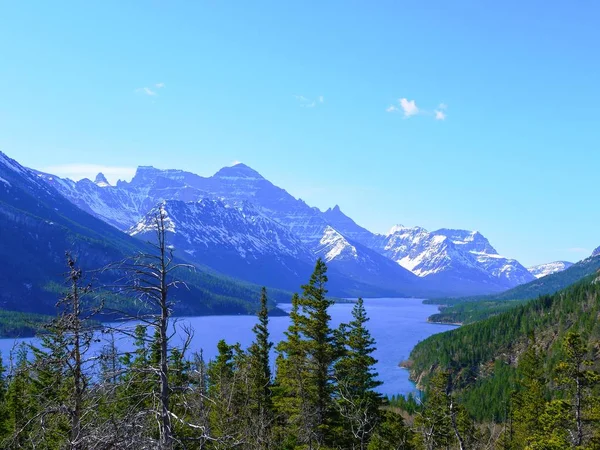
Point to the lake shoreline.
(397, 325)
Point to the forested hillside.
(484, 357)
(323, 392)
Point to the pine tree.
(528, 401)
(20, 407)
(150, 277)
(320, 352)
(305, 380)
(4, 426)
(392, 433)
(356, 398)
(552, 432)
(435, 421)
(261, 402)
(577, 378)
(227, 393)
(290, 398)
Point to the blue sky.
(310, 95)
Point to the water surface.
(397, 325)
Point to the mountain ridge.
(454, 262)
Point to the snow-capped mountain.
(457, 254)
(364, 264)
(125, 204)
(596, 252)
(237, 240)
(345, 225)
(508, 271)
(543, 270)
(455, 261)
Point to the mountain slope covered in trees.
(483, 356)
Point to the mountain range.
(37, 226)
(242, 225)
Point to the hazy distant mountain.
(543, 270)
(596, 252)
(453, 262)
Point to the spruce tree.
(227, 395)
(356, 398)
(4, 427)
(576, 377)
(261, 402)
(314, 324)
(20, 407)
(528, 401)
(435, 422)
(290, 397)
(305, 380)
(392, 433)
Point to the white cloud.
(308, 103)
(146, 91)
(150, 91)
(235, 163)
(409, 107)
(79, 171)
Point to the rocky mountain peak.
(101, 180)
(238, 171)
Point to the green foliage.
(356, 399)
(392, 434)
(410, 403)
(226, 390)
(469, 312)
(434, 422)
(473, 350)
(260, 399)
(304, 366)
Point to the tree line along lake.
(397, 325)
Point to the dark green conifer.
(357, 401)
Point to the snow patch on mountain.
(421, 252)
(213, 223)
(543, 270)
(335, 246)
(461, 251)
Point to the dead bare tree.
(149, 278)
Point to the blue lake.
(397, 325)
